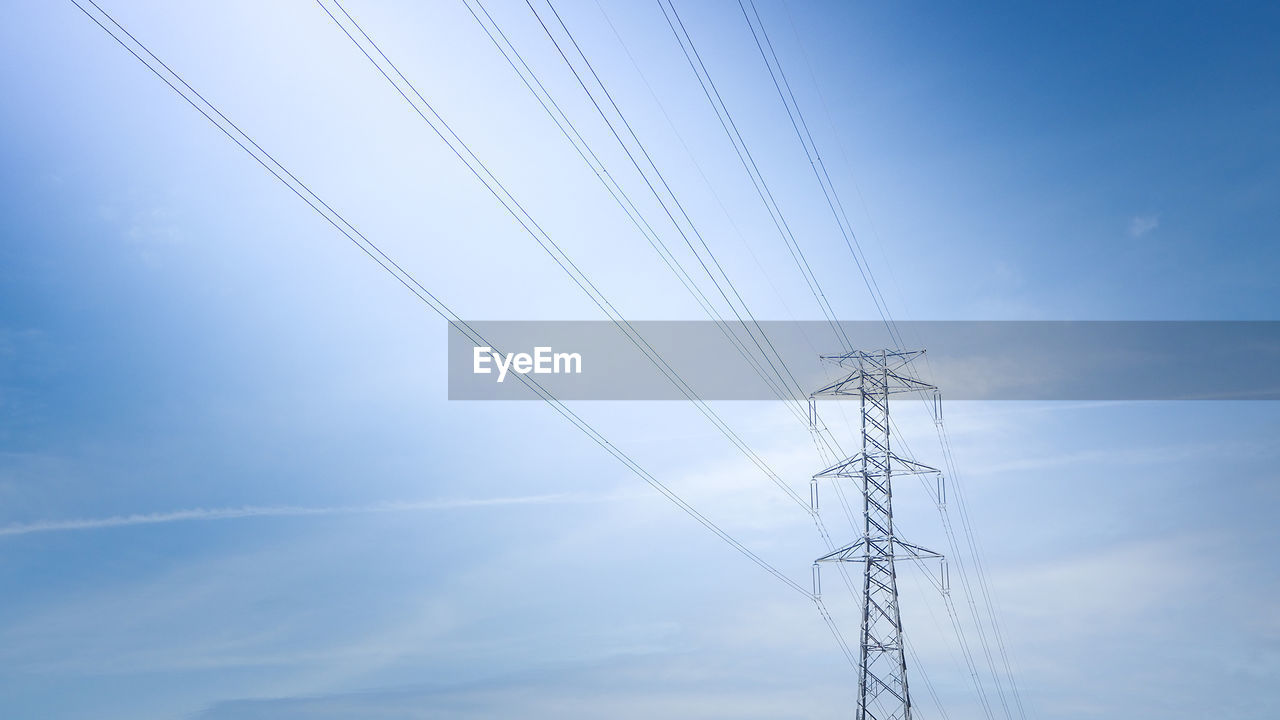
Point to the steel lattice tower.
(882, 665)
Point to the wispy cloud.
(251, 511)
(1142, 224)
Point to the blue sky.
(311, 529)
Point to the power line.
(649, 159)
(819, 170)
(706, 410)
(598, 168)
(666, 186)
(817, 519)
(300, 189)
(749, 164)
(631, 131)
(534, 230)
(619, 194)
(702, 174)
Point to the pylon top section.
(881, 370)
(894, 358)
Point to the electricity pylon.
(882, 664)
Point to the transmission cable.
(619, 194)
(820, 173)
(300, 189)
(666, 186)
(817, 519)
(748, 162)
(531, 227)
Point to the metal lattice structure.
(882, 665)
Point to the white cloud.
(1140, 225)
(284, 511)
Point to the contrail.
(248, 511)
